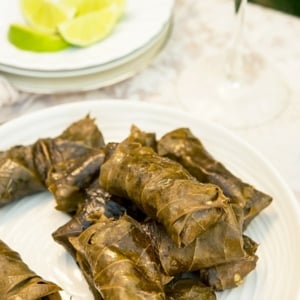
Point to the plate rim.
(128, 104)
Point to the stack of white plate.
(136, 40)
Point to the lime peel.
(27, 38)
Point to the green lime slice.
(44, 15)
(70, 5)
(90, 28)
(27, 38)
(87, 6)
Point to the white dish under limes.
(143, 20)
(96, 79)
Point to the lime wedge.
(44, 15)
(90, 28)
(87, 6)
(26, 38)
(70, 5)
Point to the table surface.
(204, 27)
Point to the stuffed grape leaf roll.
(189, 289)
(144, 138)
(164, 190)
(69, 179)
(17, 281)
(221, 243)
(18, 177)
(97, 203)
(84, 131)
(232, 274)
(117, 256)
(182, 146)
(24, 169)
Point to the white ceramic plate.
(42, 85)
(41, 75)
(27, 225)
(142, 21)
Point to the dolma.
(136, 135)
(84, 131)
(48, 152)
(18, 282)
(97, 203)
(69, 179)
(189, 289)
(147, 139)
(18, 177)
(163, 190)
(232, 274)
(182, 146)
(24, 169)
(221, 243)
(118, 257)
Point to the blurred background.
(288, 6)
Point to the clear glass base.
(237, 92)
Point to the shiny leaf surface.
(17, 281)
(182, 146)
(164, 190)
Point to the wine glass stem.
(235, 59)
(240, 9)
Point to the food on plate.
(232, 274)
(17, 281)
(84, 131)
(144, 138)
(56, 25)
(90, 28)
(24, 169)
(182, 146)
(189, 289)
(84, 7)
(116, 256)
(163, 190)
(68, 180)
(18, 176)
(43, 15)
(221, 243)
(150, 219)
(27, 38)
(97, 203)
